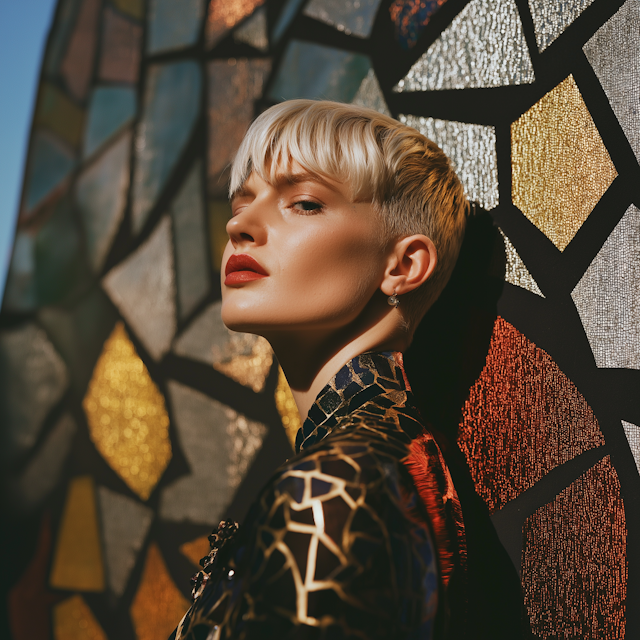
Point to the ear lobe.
(413, 260)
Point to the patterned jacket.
(359, 535)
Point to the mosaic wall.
(133, 420)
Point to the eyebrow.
(284, 180)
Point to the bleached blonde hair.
(407, 178)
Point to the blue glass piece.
(314, 71)
(171, 106)
(173, 25)
(109, 109)
(343, 378)
(287, 14)
(49, 164)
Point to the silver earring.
(393, 300)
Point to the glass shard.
(219, 215)
(73, 620)
(287, 14)
(34, 379)
(101, 194)
(224, 15)
(196, 549)
(354, 17)
(110, 108)
(608, 297)
(244, 357)
(370, 94)
(219, 445)
(309, 70)
(142, 286)
(560, 167)
(125, 524)
(134, 8)
(484, 46)
(57, 113)
(632, 431)
(173, 25)
(516, 271)
(192, 261)
(65, 20)
(550, 19)
(127, 417)
(254, 31)
(411, 17)
(611, 52)
(164, 129)
(20, 290)
(121, 42)
(287, 408)
(77, 564)
(472, 150)
(158, 605)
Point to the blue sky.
(24, 25)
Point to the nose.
(247, 226)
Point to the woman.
(346, 226)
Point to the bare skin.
(318, 291)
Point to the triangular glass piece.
(370, 94)
(254, 31)
(354, 17)
(550, 19)
(516, 271)
(632, 432)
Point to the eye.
(307, 206)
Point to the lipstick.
(242, 268)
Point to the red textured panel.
(121, 39)
(574, 563)
(523, 418)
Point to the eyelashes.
(307, 206)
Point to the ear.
(411, 262)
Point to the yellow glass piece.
(196, 549)
(247, 359)
(219, 215)
(158, 606)
(287, 408)
(77, 564)
(134, 8)
(560, 165)
(57, 113)
(127, 417)
(73, 620)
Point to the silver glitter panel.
(34, 378)
(125, 523)
(484, 46)
(632, 431)
(370, 94)
(550, 19)
(219, 445)
(516, 271)
(354, 17)
(613, 54)
(142, 286)
(254, 31)
(608, 297)
(472, 150)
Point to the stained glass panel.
(550, 19)
(20, 290)
(351, 16)
(121, 42)
(370, 95)
(410, 17)
(57, 113)
(224, 15)
(73, 620)
(254, 31)
(516, 271)
(173, 25)
(134, 8)
(632, 432)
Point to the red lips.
(242, 268)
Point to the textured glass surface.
(370, 95)
(101, 194)
(310, 70)
(608, 297)
(73, 620)
(57, 113)
(254, 31)
(127, 417)
(50, 162)
(484, 46)
(125, 524)
(110, 108)
(550, 19)
(43, 471)
(287, 14)
(612, 54)
(134, 8)
(560, 167)
(77, 564)
(632, 431)
(287, 408)
(354, 17)
(142, 286)
(192, 261)
(77, 64)
(245, 357)
(121, 42)
(219, 445)
(34, 378)
(224, 15)
(516, 271)
(574, 560)
(173, 25)
(163, 131)
(472, 150)
(157, 606)
(234, 85)
(196, 549)
(411, 17)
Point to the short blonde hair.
(407, 178)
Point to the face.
(301, 256)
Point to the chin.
(241, 319)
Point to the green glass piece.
(315, 71)
(109, 109)
(20, 290)
(172, 24)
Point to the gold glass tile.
(287, 408)
(219, 215)
(73, 620)
(127, 417)
(195, 549)
(158, 606)
(560, 166)
(246, 359)
(134, 8)
(58, 114)
(225, 14)
(77, 563)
